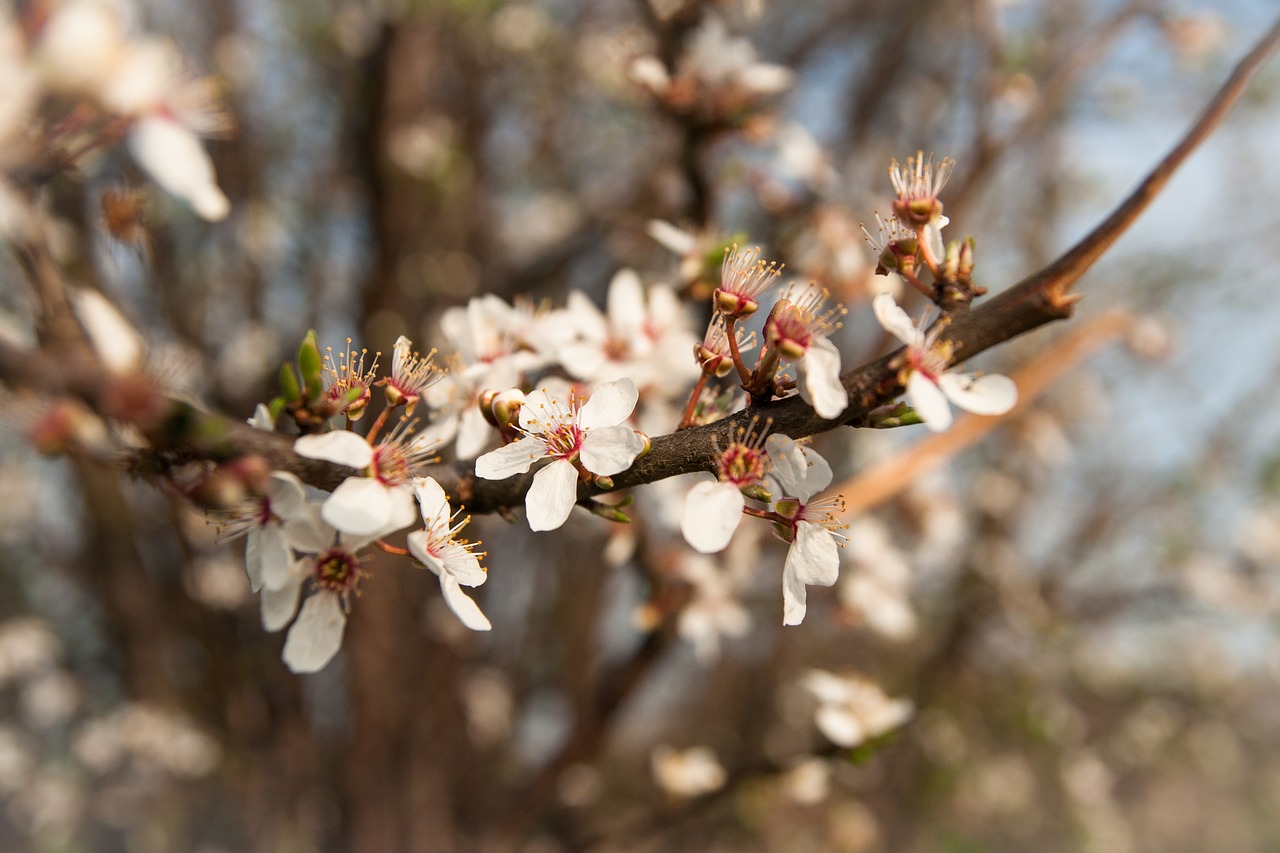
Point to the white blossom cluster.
(567, 395)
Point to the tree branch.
(186, 433)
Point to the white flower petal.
(817, 476)
(262, 418)
(828, 687)
(511, 459)
(462, 605)
(991, 394)
(307, 531)
(253, 557)
(582, 359)
(610, 404)
(277, 606)
(316, 636)
(800, 471)
(462, 564)
(418, 542)
(794, 597)
(896, 321)
(174, 158)
(610, 450)
(400, 354)
(433, 503)
(840, 726)
(788, 462)
(928, 401)
(585, 317)
(552, 495)
(273, 557)
(535, 408)
(340, 446)
(933, 237)
(676, 240)
(712, 512)
(625, 302)
(814, 555)
(113, 337)
(820, 379)
(286, 493)
(474, 433)
(361, 507)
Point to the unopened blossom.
(895, 246)
(713, 508)
(798, 328)
(852, 710)
(714, 355)
(930, 384)
(449, 558)
(812, 527)
(381, 498)
(411, 375)
(592, 434)
(744, 278)
(689, 772)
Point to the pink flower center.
(337, 570)
(927, 362)
(741, 465)
(391, 465)
(564, 440)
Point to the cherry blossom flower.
(349, 381)
(262, 522)
(331, 565)
(852, 710)
(918, 184)
(382, 499)
(797, 328)
(438, 548)
(641, 335)
(744, 277)
(455, 407)
(490, 335)
(812, 527)
(930, 385)
(714, 355)
(917, 206)
(713, 508)
(411, 375)
(593, 435)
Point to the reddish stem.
(692, 406)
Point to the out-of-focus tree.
(1023, 612)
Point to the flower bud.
(504, 407)
(786, 330)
